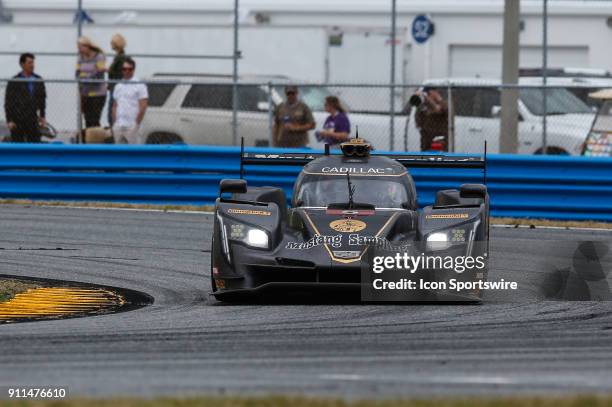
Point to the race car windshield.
(382, 192)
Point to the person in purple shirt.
(337, 127)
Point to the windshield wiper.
(351, 191)
(351, 205)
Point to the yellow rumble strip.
(58, 302)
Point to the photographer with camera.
(431, 118)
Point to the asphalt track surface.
(183, 345)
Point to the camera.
(417, 99)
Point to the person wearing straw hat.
(91, 65)
(118, 44)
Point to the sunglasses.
(290, 93)
(127, 69)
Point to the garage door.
(364, 57)
(486, 61)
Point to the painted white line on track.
(495, 380)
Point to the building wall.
(293, 41)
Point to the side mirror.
(473, 191)
(495, 111)
(233, 186)
(263, 106)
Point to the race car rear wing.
(408, 160)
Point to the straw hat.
(118, 41)
(83, 40)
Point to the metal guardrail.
(554, 187)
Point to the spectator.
(337, 126)
(431, 118)
(129, 106)
(292, 120)
(25, 102)
(91, 66)
(118, 44)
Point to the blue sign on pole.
(422, 28)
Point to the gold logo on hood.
(347, 225)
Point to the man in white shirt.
(130, 101)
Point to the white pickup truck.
(198, 110)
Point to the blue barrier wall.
(554, 187)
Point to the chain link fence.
(200, 112)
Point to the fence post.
(235, 78)
(405, 112)
(451, 119)
(544, 76)
(392, 92)
(270, 115)
(79, 123)
(79, 117)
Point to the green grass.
(9, 288)
(284, 401)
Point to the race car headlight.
(257, 238)
(438, 241)
(250, 236)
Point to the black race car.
(343, 206)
